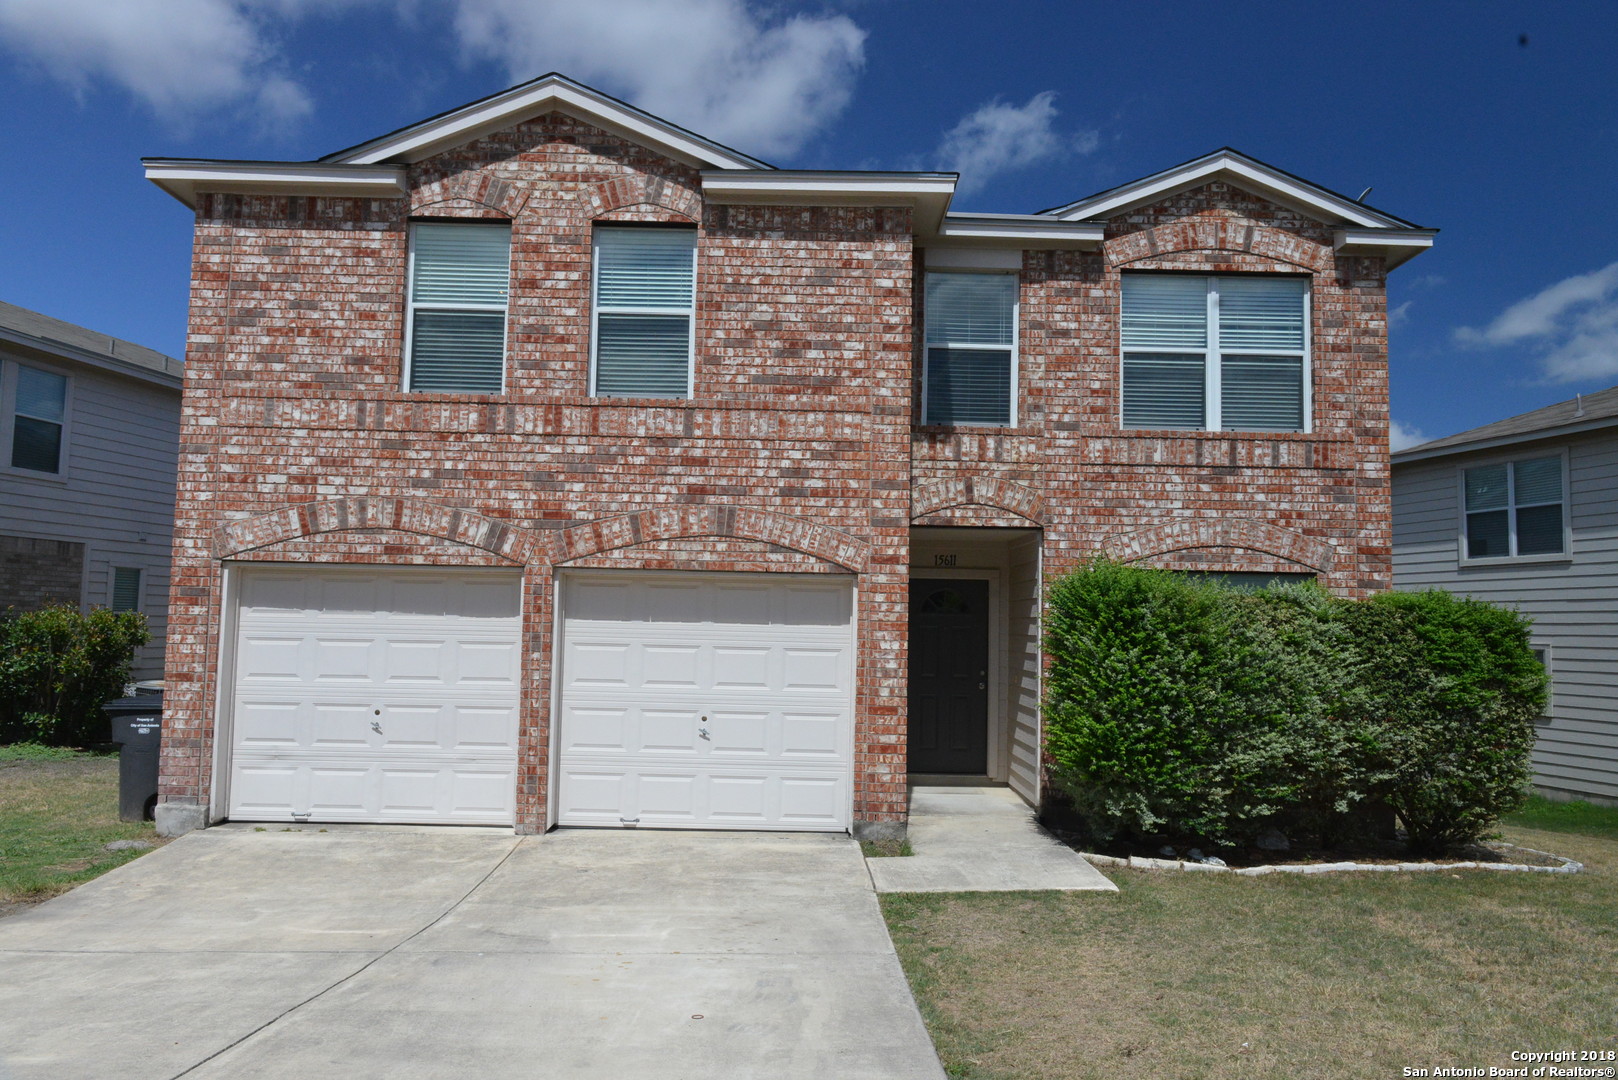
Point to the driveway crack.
(188, 1070)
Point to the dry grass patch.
(58, 811)
(1213, 975)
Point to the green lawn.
(1215, 975)
(58, 810)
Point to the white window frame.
(411, 307)
(1016, 342)
(1211, 353)
(1507, 460)
(690, 313)
(9, 369)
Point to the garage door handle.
(376, 727)
(703, 732)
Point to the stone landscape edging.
(1136, 862)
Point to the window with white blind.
(125, 588)
(1215, 353)
(1515, 508)
(460, 273)
(36, 415)
(645, 298)
(971, 341)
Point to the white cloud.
(1573, 325)
(1403, 437)
(999, 138)
(1399, 315)
(719, 67)
(180, 57)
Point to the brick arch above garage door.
(745, 523)
(402, 514)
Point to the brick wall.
(34, 573)
(1259, 502)
(792, 451)
(796, 452)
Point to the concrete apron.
(406, 952)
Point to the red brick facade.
(796, 451)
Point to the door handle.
(376, 727)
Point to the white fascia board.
(184, 179)
(929, 194)
(492, 114)
(1317, 202)
(1416, 453)
(1025, 231)
(1396, 246)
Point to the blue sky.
(1497, 123)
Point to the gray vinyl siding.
(115, 494)
(1023, 668)
(1573, 602)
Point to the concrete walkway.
(406, 953)
(980, 839)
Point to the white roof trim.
(61, 350)
(1025, 231)
(928, 193)
(551, 92)
(184, 179)
(1246, 173)
(1395, 247)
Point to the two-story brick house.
(546, 463)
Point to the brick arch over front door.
(409, 515)
(610, 534)
(1221, 532)
(1007, 495)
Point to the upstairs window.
(971, 338)
(645, 289)
(38, 400)
(1515, 508)
(1215, 353)
(460, 273)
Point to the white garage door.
(706, 701)
(375, 695)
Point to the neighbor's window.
(1515, 508)
(971, 330)
(645, 289)
(125, 588)
(38, 402)
(1215, 353)
(459, 276)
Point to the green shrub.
(1458, 706)
(1182, 708)
(58, 667)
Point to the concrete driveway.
(403, 952)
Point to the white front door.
(706, 701)
(375, 694)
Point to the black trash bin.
(137, 724)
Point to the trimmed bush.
(1197, 711)
(58, 667)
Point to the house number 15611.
(943, 560)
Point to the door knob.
(983, 686)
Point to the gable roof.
(1586, 412)
(552, 92)
(20, 326)
(1361, 229)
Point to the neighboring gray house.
(89, 438)
(1524, 512)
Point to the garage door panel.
(764, 666)
(376, 695)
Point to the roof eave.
(1424, 453)
(1396, 246)
(186, 179)
(103, 361)
(1029, 232)
(1250, 173)
(928, 194)
(550, 92)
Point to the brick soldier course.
(799, 449)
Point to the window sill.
(965, 429)
(1516, 560)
